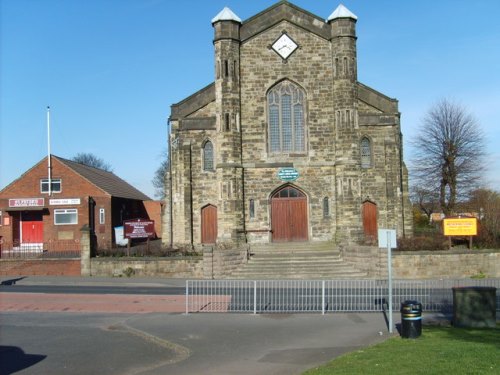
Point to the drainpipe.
(401, 181)
(191, 195)
(170, 200)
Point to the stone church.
(285, 145)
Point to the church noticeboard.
(288, 174)
(460, 226)
(139, 228)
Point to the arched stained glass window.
(366, 153)
(286, 103)
(208, 156)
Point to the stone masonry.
(331, 116)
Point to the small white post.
(187, 297)
(389, 270)
(323, 297)
(255, 297)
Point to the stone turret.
(228, 142)
(347, 154)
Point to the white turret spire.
(341, 12)
(226, 14)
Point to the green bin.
(474, 307)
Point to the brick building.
(34, 215)
(286, 144)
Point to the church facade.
(286, 145)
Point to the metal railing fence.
(322, 296)
(47, 249)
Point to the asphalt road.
(76, 326)
(178, 344)
(92, 289)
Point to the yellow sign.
(460, 226)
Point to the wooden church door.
(289, 215)
(370, 221)
(209, 224)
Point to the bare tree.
(486, 203)
(91, 160)
(449, 154)
(160, 175)
(426, 200)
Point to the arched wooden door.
(209, 224)
(370, 221)
(289, 215)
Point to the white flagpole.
(49, 166)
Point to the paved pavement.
(141, 340)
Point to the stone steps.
(302, 260)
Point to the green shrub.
(435, 242)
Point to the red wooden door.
(32, 228)
(209, 224)
(289, 215)
(370, 221)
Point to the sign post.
(460, 226)
(138, 228)
(387, 239)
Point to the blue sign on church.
(288, 174)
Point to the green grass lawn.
(440, 350)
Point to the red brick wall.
(73, 186)
(154, 209)
(40, 267)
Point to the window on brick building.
(55, 183)
(286, 103)
(208, 156)
(67, 216)
(102, 216)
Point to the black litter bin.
(411, 319)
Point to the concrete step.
(296, 260)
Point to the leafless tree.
(426, 200)
(449, 154)
(91, 160)
(486, 203)
(158, 180)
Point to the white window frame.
(102, 216)
(66, 211)
(44, 185)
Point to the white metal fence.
(322, 296)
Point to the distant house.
(34, 215)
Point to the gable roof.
(106, 181)
(284, 11)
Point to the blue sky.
(110, 69)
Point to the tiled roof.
(107, 181)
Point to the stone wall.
(424, 264)
(433, 265)
(220, 263)
(154, 267)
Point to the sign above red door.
(27, 202)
